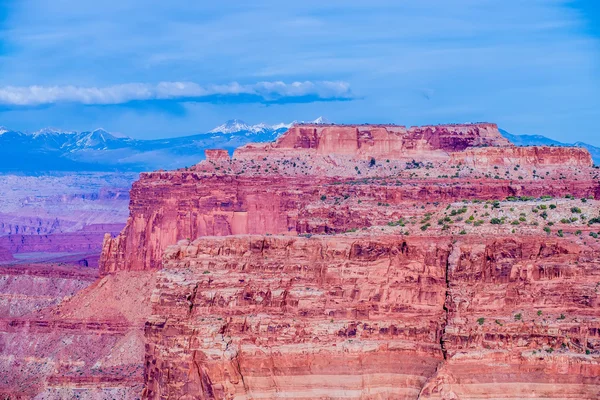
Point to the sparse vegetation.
(518, 317)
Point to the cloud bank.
(260, 92)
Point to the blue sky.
(152, 68)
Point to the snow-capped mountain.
(321, 121)
(60, 150)
(237, 125)
(52, 132)
(98, 150)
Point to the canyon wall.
(260, 317)
(375, 317)
(340, 262)
(522, 321)
(365, 141)
(278, 187)
(534, 156)
(88, 239)
(169, 207)
(65, 334)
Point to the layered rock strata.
(340, 262)
(375, 317)
(90, 346)
(254, 316)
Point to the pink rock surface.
(374, 317)
(365, 262)
(534, 156)
(216, 155)
(365, 141)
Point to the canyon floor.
(339, 262)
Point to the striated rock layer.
(523, 321)
(390, 141)
(253, 316)
(90, 346)
(339, 262)
(167, 207)
(375, 317)
(531, 156)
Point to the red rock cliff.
(395, 273)
(534, 156)
(304, 318)
(375, 317)
(390, 141)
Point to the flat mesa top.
(392, 125)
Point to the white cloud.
(124, 93)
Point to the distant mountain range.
(98, 150)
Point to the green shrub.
(595, 220)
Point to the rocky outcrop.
(26, 289)
(216, 155)
(533, 156)
(376, 317)
(91, 345)
(303, 318)
(365, 262)
(388, 141)
(522, 321)
(279, 187)
(167, 207)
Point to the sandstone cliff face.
(278, 187)
(522, 321)
(167, 207)
(305, 318)
(534, 156)
(26, 289)
(366, 262)
(375, 317)
(389, 141)
(89, 346)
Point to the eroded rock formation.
(375, 317)
(354, 262)
(319, 317)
